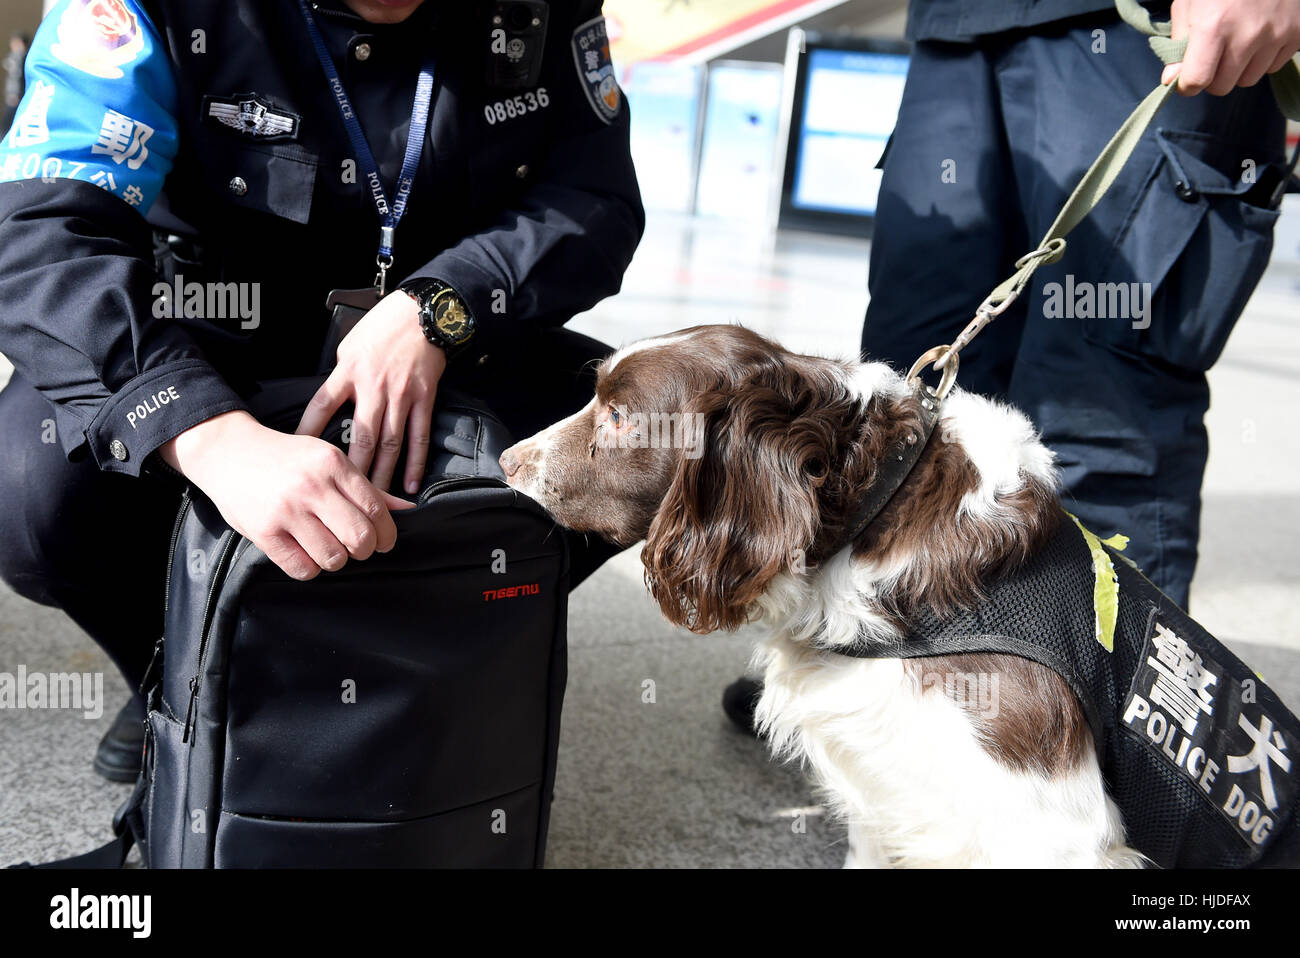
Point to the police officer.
(1005, 106)
(456, 175)
(973, 180)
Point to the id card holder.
(346, 307)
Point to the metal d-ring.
(930, 358)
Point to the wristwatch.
(445, 318)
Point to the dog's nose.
(510, 462)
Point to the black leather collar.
(895, 468)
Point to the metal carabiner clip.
(984, 314)
(384, 263)
(936, 356)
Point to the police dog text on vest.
(76, 911)
(151, 405)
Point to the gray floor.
(668, 782)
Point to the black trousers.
(95, 544)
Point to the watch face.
(450, 317)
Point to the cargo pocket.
(166, 770)
(1198, 238)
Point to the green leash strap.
(1097, 180)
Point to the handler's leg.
(93, 544)
(948, 227)
(1120, 333)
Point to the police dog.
(742, 466)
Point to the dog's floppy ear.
(741, 511)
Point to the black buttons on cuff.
(238, 186)
(117, 449)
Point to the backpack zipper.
(443, 485)
(154, 660)
(191, 714)
(186, 498)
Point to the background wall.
(22, 16)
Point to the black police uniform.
(1006, 104)
(215, 118)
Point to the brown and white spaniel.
(741, 463)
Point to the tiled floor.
(669, 782)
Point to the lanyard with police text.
(389, 214)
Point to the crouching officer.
(453, 178)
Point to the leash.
(1102, 173)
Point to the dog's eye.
(613, 415)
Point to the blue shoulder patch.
(100, 103)
(590, 44)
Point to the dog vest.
(1201, 757)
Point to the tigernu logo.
(512, 592)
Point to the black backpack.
(402, 712)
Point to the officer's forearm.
(77, 320)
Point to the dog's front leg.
(864, 850)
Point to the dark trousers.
(991, 138)
(95, 544)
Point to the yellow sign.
(693, 31)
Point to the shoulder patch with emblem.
(98, 37)
(1217, 725)
(596, 69)
(251, 115)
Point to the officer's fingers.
(319, 543)
(348, 524)
(1178, 19)
(1285, 54)
(322, 406)
(366, 424)
(285, 552)
(390, 443)
(1257, 67)
(1178, 29)
(417, 442)
(1235, 55)
(373, 504)
(1200, 64)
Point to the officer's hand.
(296, 497)
(391, 372)
(1231, 43)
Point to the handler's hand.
(391, 372)
(1231, 43)
(296, 497)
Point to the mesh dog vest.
(1201, 757)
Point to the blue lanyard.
(389, 214)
